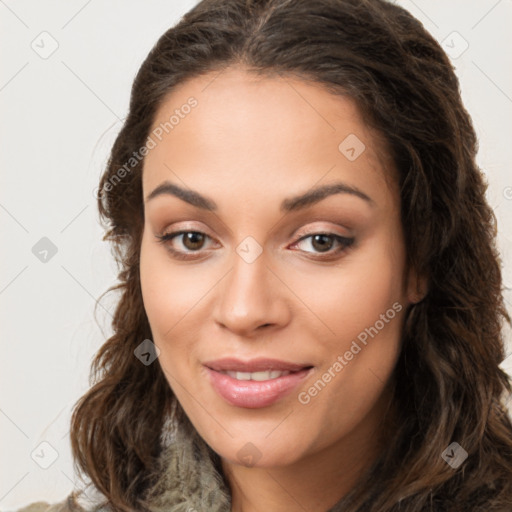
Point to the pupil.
(322, 239)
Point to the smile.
(258, 376)
(256, 389)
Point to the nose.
(250, 298)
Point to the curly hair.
(449, 385)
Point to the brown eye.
(183, 242)
(322, 242)
(318, 243)
(193, 240)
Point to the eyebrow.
(288, 205)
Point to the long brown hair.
(449, 386)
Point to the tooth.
(263, 375)
(257, 376)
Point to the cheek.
(351, 296)
(165, 294)
(169, 291)
(361, 306)
(172, 296)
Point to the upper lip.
(254, 365)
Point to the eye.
(323, 243)
(192, 241)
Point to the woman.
(311, 304)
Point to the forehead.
(248, 130)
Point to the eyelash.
(345, 243)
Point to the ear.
(417, 286)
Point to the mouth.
(258, 376)
(255, 383)
(230, 364)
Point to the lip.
(252, 394)
(254, 365)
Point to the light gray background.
(59, 117)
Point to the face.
(248, 271)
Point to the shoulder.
(69, 504)
(42, 506)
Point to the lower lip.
(254, 394)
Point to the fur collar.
(189, 479)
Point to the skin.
(250, 143)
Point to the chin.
(256, 451)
